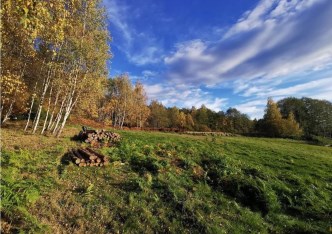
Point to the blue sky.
(223, 53)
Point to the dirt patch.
(14, 138)
(87, 122)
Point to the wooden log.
(79, 156)
(88, 157)
(102, 157)
(93, 157)
(75, 159)
(84, 154)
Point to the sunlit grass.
(164, 182)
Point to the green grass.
(168, 183)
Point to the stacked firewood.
(97, 137)
(88, 157)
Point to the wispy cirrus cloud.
(117, 16)
(140, 48)
(263, 54)
(302, 89)
(277, 38)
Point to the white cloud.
(191, 50)
(140, 48)
(153, 91)
(117, 15)
(184, 96)
(149, 73)
(253, 111)
(326, 95)
(149, 55)
(273, 89)
(143, 76)
(251, 19)
(301, 89)
(277, 38)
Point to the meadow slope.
(166, 183)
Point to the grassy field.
(166, 183)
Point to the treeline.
(53, 59)
(296, 116)
(126, 105)
(201, 119)
(314, 116)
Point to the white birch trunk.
(31, 106)
(53, 111)
(67, 114)
(69, 106)
(29, 116)
(123, 118)
(65, 117)
(72, 103)
(9, 112)
(58, 117)
(46, 84)
(48, 110)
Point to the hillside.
(166, 183)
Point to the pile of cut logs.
(97, 137)
(88, 157)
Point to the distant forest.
(53, 65)
(126, 105)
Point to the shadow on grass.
(64, 162)
(5, 159)
(130, 186)
(76, 137)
